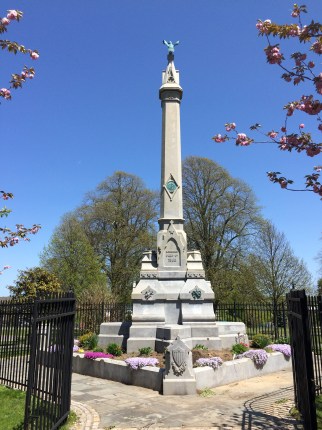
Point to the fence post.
(32, 363)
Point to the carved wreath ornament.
(178, 362)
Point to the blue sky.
(93, 107)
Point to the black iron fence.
(266, 318)
(304, 323)
(36, 344)
(258, 317)
(89, 316)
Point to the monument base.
(133, 336)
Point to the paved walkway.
(257, 403)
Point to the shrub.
(239, 348)
(114, 349)
(261, 340)
(145, 350)
(199, 346)
(88, 340)
(98, 349)
(283, 340)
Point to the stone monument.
(172, 297)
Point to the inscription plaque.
(172, 258)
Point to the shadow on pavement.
(270, 411)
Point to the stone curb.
(88, 418)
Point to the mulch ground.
(224, 354)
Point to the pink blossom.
(13, 241)
(318, 83)
(273, 54)
(34, 55)
(317, 47)
(5, 21)
(283, 129)
(12, 15)
(272, 134)
(283, 184)
(313, 151)
(4, 92)
(262, 26)
(317, 168)
(294, 31)
(230, 126)
(6, 267)
(301, 125)
(311, 64)
(317, 189)
(219, 138)
(308, 105)
(242, 140)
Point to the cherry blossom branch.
(17, 79)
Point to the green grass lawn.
(318, 403)
(12, 410)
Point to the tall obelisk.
(171, 239)
(172, 296)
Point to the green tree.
(108, 234)
(70, 257)
(277, 268)
(33, 281)
(221, 218)
(319, 287)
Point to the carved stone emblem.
(196, 293)
(178, 361)
(171, 187)
(148, 293)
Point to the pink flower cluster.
(213, 362)
(272, 134)
(317, 47)
(93, 355)
(230, 126)
(259, 356)
(263, 26)
(306, 104)
(136, 363)
(5, 93)
(273, 54)
(318, 83)
(12, 15)
(284, 348)
(219, 138)
(243, 140)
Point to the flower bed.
(152, 377)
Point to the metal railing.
(89, 316)
(36, 346)
(266, 318)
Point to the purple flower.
(94, 355)
(281, 347)
(213, 362)
(138, 362)
(259, 356)
(75, 348)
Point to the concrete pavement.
(257, 403)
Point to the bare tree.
(277, 268)
(221, 218)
